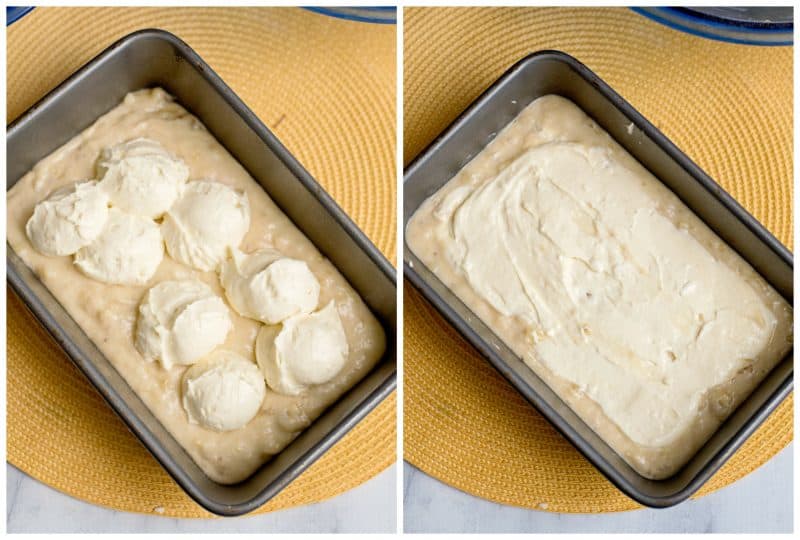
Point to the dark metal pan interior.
(552, 72)
(156, 58)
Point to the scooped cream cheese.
(108, 314)
(604, 283)
(68, 219)
(141, 177)
(180, 322)
(223, 392)
(207, 221)
(127, 251)
(269, 287)
(306, 350)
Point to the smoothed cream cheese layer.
(603, 281)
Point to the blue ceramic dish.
(377, 14)
(15, 13)
(769, 26)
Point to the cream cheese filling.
(604, 283)
(611, 288)
(227, 444)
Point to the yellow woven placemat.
(327, 89)
(728, 106)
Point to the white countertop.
(34, 507)
(761, 502)
(758, 503)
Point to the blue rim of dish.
(771, 34)
(15, 13)
(374, 14)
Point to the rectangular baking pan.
(151, 58)
(553, 72)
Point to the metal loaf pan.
(156, 58)
(553, 72)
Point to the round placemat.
(729, 107)
(326, 88)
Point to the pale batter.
(108, 313)
(648, 325)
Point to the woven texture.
(326, 87)
(728, 106)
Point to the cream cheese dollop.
(180, 322)
(68, 219)
(204, 223)
(223, 392)
(141, 177)
(306, 350)
(268, 287)
(127, 251)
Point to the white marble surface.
(758, 503)
(34, 507)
